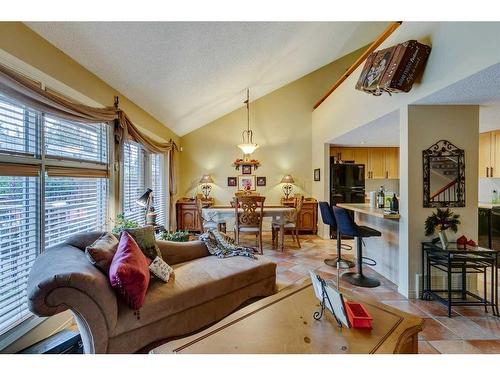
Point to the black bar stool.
(329, 219)
(348, 227)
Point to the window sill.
(15, 333)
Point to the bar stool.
(329, 219)
(348, 227)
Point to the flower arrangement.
(178, 236)
(122, 223)
(441, 220)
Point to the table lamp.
(146, 200)
(287, 180)
(205, 182)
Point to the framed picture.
(246, 169)
(246, 182)
(317, 174)
(261, 181)
(231, 181)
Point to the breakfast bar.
(385, 249)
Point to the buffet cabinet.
(187, 214)
(308, 217)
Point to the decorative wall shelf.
(239, 162)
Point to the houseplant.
(178, 236)
(440, 221)
(121, 223)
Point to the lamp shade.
(144, 199)
(287, 179)
(248, 148)
(206, 179)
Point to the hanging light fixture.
(248, 147)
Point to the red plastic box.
(358, 316)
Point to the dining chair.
(291, 224)
(204, 225)
(249, 211)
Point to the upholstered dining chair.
(204, 225)
(291, 224)
(249, 211)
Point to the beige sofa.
(204, 290)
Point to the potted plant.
(121, 223)
(440, 221)
(178, 236)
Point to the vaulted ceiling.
(187, 74)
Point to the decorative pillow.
(101, 252)
(145, 238)
(129, 272)
(161, 269)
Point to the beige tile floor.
(470, 330)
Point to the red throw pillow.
(129, 272)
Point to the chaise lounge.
(204, 290)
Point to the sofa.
(203, 290)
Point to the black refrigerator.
(347, 183)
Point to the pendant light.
(248, 147)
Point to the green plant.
(179, 236)
(441, 220)
(122, 223)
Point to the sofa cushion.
(101, 252)
(194, 283)
(145, 238)
(129, 272)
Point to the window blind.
(73, 140)
(158, 186)
(73, 205)
(133, 181)
(19, 130)
(19, 239)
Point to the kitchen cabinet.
(489, 154)
(380, 162)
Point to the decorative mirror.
(444, 175)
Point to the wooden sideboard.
(188, 218)
(308, 217)
(187, 214)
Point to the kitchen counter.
(384, 249)
(487, 205)
(365, 208)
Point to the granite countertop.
(487, 205)
(365, 208)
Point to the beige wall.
(281, 122)
(421, 127)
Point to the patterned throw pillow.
(129, 272)
(145, 238)
(161, 269)
(101, 252)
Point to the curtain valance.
(30, 93)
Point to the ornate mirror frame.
(444, 148)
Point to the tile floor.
(469, 331)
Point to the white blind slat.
(133, 181)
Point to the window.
(142, 170)
(133, 181)
(158, 186)
(66, 175)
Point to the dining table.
(279, 214)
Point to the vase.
(443, 239)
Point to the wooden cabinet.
(187, 214)
(308, 217)
(485, 154)
(380, 162)
(392, 162)
(489, 154)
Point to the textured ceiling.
(187, 74)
